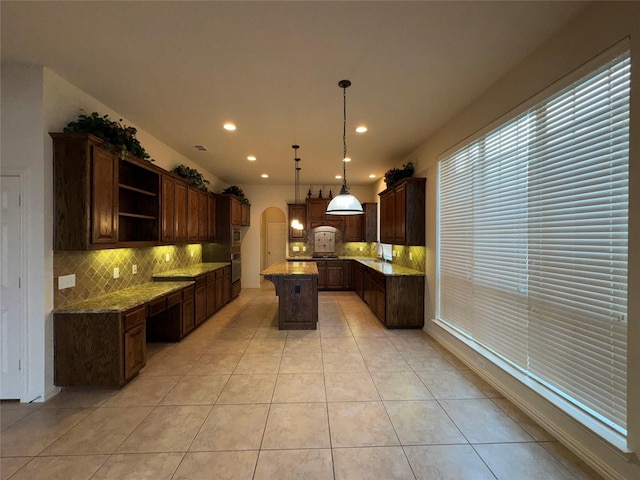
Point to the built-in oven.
(235, 237)
(236, 266)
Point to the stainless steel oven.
(236, 267)
(235, 237)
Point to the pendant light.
(344, 203)
(295, 222)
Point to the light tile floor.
(239, 399)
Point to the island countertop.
(291, 268)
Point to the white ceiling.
(181, 69)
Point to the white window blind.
(533, 221)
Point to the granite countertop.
(192, 271)
(123, 299)
(291, 268)
(389, 269)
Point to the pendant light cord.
(344, 136)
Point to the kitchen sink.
(315, 255)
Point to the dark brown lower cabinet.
(335, 274)
(397, 300)
(211, 294)
(135, 342)
(358, 279)
(377, 294)
(201, 299)
(103, 349)
(108, 349)
(220, 287)
(188, 310)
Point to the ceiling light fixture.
(361, 129)
(251, 158)
(295, 222)
(229, 127)
(344, 203)
(264, 175)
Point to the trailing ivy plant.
(394, 175)
(193, 175)
(114, 134)
(237, 191)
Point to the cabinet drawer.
(174, 298)
(135, 317)
(219, 273)
(201, 281)
(211, 277)
(158, 305)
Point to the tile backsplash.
(94, 269)
(410, 257)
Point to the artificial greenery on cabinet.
(115, 135)
(394, 175)
(237, 191)
(193, 175)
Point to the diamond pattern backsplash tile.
(94, 270)
(410, 257)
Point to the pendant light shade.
(344, 203)
(295, 222)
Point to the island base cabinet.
(102, 349)
(297, 302)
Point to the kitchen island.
(297, 290)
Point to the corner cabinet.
(402, 212)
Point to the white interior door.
(10, 295)
(276, 243)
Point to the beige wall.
(592, 32)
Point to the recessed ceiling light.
(338, 176)
(346, 159)
(251, 158)
(372, 176)
(264, 175)
(361, 129)
(202, 148)
(229, 126)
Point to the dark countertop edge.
(367, 262)
(175, 274)
(159, 289)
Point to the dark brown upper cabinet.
(402, 212)
(85, 186)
